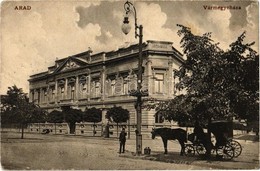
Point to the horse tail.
(185, 136)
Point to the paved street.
(38, 151)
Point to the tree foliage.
(55, 116)
(117, 115)
(16, 108)
(92, 115)
(71, 116)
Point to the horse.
(171, 134)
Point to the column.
(30, 95)
(48, 94)
(77, 88)
(170, 78)
(66, 88)
(89, 92)
(38, 95)
(150, 76)
(103, 77)
(41, 95)
(50, 99)
(56, 91)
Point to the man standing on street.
(122, 140)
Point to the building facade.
(104, 79)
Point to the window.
(97, 88)
(125, 86)
(39, 96)
(83, 89)
(158, 118)
(62, 92)
(32, 95)
(53, 93)
(83, 86)
(45, 95)
(159, 83)
(175, 81)
(72, 91)
(113, 83)
(61, 89)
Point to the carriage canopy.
(222, 127)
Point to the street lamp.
(129, 7)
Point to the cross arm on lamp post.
(129, 8)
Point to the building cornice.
(103, 58)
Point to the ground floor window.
(158, 118)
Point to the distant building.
(104, 79)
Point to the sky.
(31, 40)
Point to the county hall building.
(104, 79)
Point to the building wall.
(103, 80)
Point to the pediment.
(70, 64)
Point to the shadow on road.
(171, 157)
(174, 157)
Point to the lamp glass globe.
(126, 27)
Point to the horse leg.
(165, 146)
(182, 147)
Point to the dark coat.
(198, 131)
(122, 136)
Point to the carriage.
(225, 147)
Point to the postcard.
(129, 85)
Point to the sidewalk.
(247, 137)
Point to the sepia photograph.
(129, 85)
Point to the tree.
(176, 109)
(92, 115)
(16, 108)
(244, 98)
(117, 115)
(217, 81)
(71, 116)
(55, 117)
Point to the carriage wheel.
(189, 150)
(226, 152)
(236, 147)
(200, 149)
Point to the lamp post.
(129, 7)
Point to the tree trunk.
(117, 129)
(22, 130)
(72, 128)
(128, 128)
(94, 129)
(55, 128)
